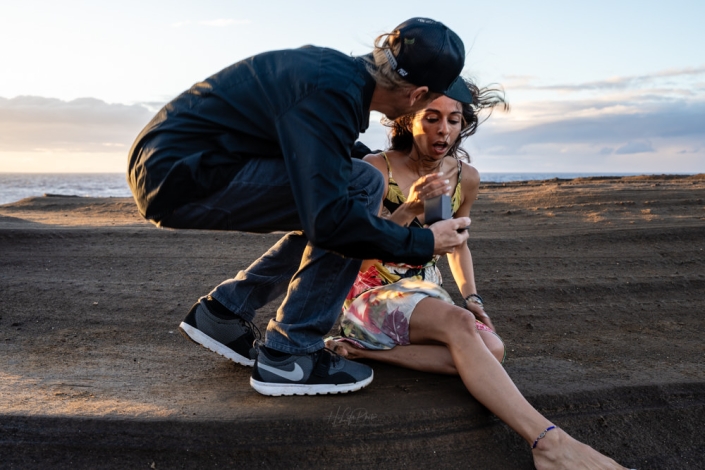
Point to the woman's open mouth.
(440, 147)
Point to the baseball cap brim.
(459, 91)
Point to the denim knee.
(376, 190)
(368, 181)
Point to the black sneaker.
(318, 373)
(232, 338)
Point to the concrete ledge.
(646, 427)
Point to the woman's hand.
(426, 187)
(480, 314)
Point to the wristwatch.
(474, 299)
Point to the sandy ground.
(596, 285)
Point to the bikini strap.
(389, 167)
(460, 176)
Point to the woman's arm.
(460, 261)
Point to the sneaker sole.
(198, 337)
(277, 390)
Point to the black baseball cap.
(431, 55)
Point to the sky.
(599, 87)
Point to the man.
(265, 145)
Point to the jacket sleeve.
(316, 137)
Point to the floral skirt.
(379, 318)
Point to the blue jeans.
(316, 281)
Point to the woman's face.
(437, 127)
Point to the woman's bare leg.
(435, 321)
(434, 358)
(424, 357)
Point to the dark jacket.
(306, 106)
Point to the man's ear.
(416, 94)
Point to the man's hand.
(446, 237)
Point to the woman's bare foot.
(557, 450)
(344, 348)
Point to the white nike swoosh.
(293, 375)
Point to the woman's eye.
(454, 123)
(432, 119)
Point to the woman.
(421, 164)
(399, 314)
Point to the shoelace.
(250, 327)
(335, 357)
(325, 359)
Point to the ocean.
(16, 186)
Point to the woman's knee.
(466, 325)
(494, 344)
(460, 326)
(461, 321)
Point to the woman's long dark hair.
(402, 139)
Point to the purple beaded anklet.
(541, 436)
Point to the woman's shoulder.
(386, 155)
(469, 174)
(384, 161)
(376, 159)
(373, 157)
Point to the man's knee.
(376, 185)
(368, 181)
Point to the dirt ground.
(596, 285)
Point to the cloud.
(625, 115)
(375, 137)
(222, 22)
(634, 147)
(217, 23)
(616, 83)
(38, 124)
(670, 135)
(640, 123)
(596, 124)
